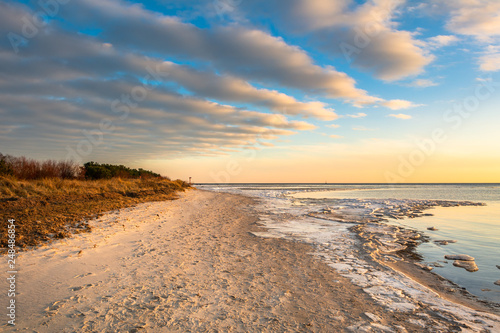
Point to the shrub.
(95, 171)
(29, 169)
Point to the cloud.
(245, 52)
(479, 18)
(62, 85)
(230, 88)
(365, 34)
(198, 90)
(422, 83)
(441, 40)
(398, 104)
(400, 116)
(391, 55)
(484, 79)
(335, 136)
(49, 104)
(490, 61)
(333, 126)
(238, 52)
(357, 115)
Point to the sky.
(337, 91)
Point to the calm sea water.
(476, 228)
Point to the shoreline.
(405, 261)
(401, 242)
(411, 268)
(437, 285)
(196, 264)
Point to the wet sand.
(193, 264)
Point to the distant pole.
(190, 180)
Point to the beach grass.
(51, 208)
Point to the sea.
(476, 229)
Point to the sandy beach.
(193, 264)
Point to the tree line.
(29, 169)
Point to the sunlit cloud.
(249, 53)
(398, 104)
(479, 18)
(442, 40)
(422, 83)
(490, 61)
(400, 116)
(357, 115)
(365, 34)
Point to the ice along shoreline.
(366, 251)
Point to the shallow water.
(476, 228)
(477, 231)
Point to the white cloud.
(484, 79)
(333, 126)
(400, 116)
(490, 61)
(397, 104)
(442, 40)
(357, 115)
(479, 18)
(422, 83)
(335, 136)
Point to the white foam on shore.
(338, 247)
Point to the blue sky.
(257, 91)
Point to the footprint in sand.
(81, 287)
(53, 308)
(82, 275)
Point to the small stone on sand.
(497, 283)
(468, 265)
(462, 257)
(432, 228)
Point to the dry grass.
(55, 208)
